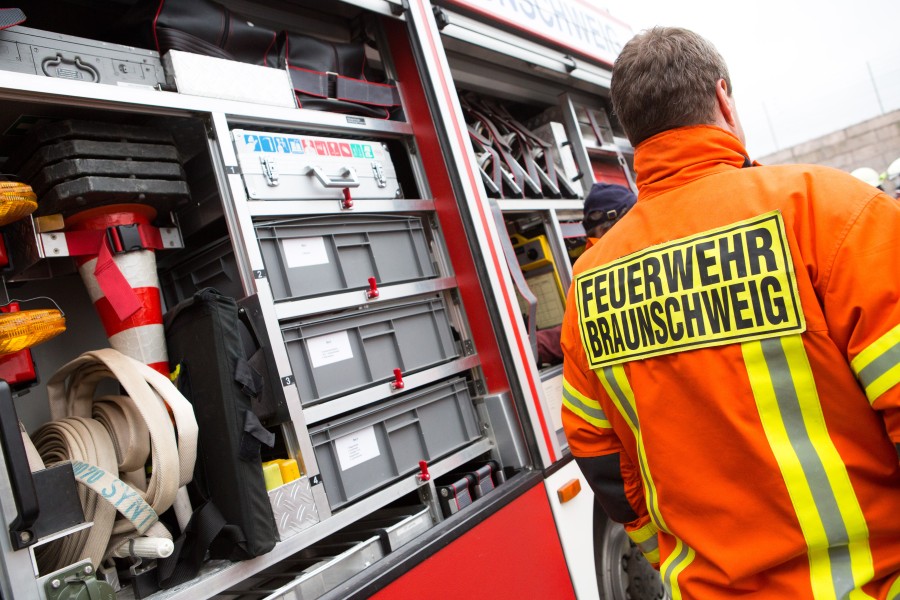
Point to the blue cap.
(606, 203)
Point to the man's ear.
(725, 104)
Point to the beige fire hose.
(109, 439)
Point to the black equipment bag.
(333, 76)
(326, 75)
(201, 27)
(233, 516)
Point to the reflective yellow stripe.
(876, 349)
(639, 536)
(894, 590)
(584, 407)
(647, 540)
(878, 366)
(615, 382)
(652, 557)
(675, 564)
(827, 509)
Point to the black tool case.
(49, 54)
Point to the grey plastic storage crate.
(213, 265)
(312, 256)
(358, 348)
(364, 451)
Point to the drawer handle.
(347, 178)
(69, 68)
(372, 292)
(569, 490)
(397, 383)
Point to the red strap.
(114, 285)
(87, 243)
(124, 301)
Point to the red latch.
(4, 255)
(372, 292)
(347, 202)
(423, 475)
(397, 383)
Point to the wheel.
(622, 571)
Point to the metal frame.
(460, 158)
(582, 150)
(481, 35)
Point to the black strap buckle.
(331, 81)
(124, 238)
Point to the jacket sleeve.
(862, 304)
(600, 454)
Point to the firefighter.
(732, 351)
(604, 205)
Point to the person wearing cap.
(732, 351)
(604, 205)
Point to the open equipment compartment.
(380, 238)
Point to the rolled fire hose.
(109, 437)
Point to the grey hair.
(664, 78)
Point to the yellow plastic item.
(17, 200)
(272, 475)
(289, 470)
(27, 328)
(537, 264)
(48, 223)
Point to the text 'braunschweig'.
(734, 283)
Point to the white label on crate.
(304, 252)
(328, 349)
(553, 393)
(356, 448)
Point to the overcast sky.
(800, 68)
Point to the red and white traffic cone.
(124, 287)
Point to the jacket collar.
(675, 157)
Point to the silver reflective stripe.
(790, 406)
(881, 365)
(828, 512)
(630, 412)
(650, 545)
(596, 413)
(671, 569)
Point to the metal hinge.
(269, 170)
(378, 171)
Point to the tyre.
(622, 571)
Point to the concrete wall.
(874, 143)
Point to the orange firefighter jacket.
(736, 339)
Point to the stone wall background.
(874, 143)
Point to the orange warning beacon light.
(27, 328)
(23, 329)
(17, 200)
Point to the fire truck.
(389, 192)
